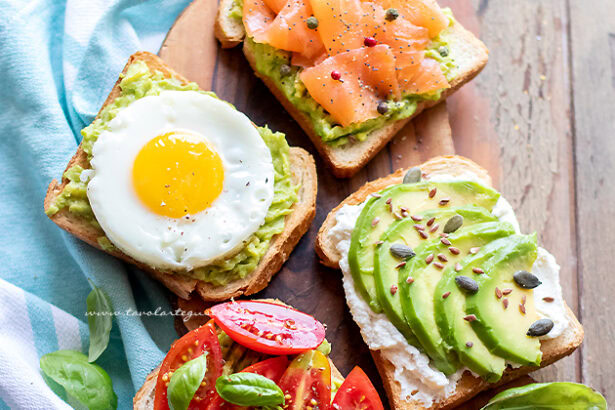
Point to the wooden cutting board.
(191, 49)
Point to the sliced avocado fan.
(503, 310)
(458, 333)
(398, 202)
(419, 278)
(406, 232)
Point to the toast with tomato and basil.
(451, 297)
(352, 73)
(254, 354)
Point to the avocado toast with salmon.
(449, 295)
(352, 73)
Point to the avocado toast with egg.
(433, 258)
(249, 265)
(352, 83)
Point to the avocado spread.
(139, 82)
(270, 60)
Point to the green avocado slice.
(502, 326)
(425, 271)
(392, 204)
(457, 332)
(403, 232)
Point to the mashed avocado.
(269, 60)
(139, 82)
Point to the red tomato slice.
(357, 393)
(307, 382)
(268, 328)
(271, 368)
(191, 345)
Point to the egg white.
(199, 239)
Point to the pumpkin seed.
(526, 280)
(466, 283)
(413, 176)
(402, 251)
(540, 327)
(453, 224)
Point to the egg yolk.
(177, 174)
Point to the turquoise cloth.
(58, 61)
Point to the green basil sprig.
(571, 396)
(249, 389)
(85, 381)
(100, 321)
(185, 382)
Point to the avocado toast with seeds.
(446, 275)
(346, 148)
(67, 205)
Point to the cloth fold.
(58, 61)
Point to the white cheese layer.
(412, 369)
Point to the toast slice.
(296, 223)
(144, 399)
(470, 56)
(468, 386)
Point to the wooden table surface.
(540, 118)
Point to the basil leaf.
(548, 396)
(85, 381)
(185, 382)
(100, 321)
(249, 389)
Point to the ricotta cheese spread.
(418, 380)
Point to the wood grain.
(515, 120)
(592, 29)
(538, 118)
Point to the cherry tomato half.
(268, 328)
(188, 347)
(357, 393)
(307, 382)
(271, 368)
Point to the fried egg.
(180, 180)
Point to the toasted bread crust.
(468, 386)
(228, 32)
(296, 224)
(144, 399)
(347, 160)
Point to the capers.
(284, 70)
(383, 107)
(453, 224)
(402, 251)
(466, 283)
(312, 23)
(443, 50)
(391, 14)
(526, 280)
(413, 176)
(540, 327)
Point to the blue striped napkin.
(58, 61)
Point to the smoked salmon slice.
(339, 24)
(257, 17)
(425, 78)
(288, 29)
(366, 77)
(276, 5)
(423, 13)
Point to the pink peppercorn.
(335, 75)
(370, 42)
